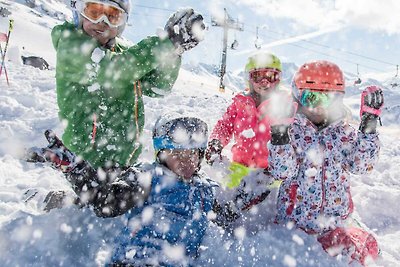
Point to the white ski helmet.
(78, 6)
(176, 131)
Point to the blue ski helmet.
(175, 131)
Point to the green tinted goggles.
(313, 99)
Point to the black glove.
(371, 108)
(213, 151)
(278, 111)
(55, 153)
(280, 134)
(185, 29)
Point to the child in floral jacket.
(314, 153)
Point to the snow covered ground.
(75, 237)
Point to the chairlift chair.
(234, 45)
(358, 81)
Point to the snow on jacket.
(99, 92)
(174, 215)
(165, 215)
(315, 168)
(241, 120)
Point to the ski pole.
(5, 70)
(10, 28)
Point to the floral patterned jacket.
(315, 169)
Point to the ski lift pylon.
(358, 81)
(256, 42)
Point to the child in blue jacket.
(167, 204)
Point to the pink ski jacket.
(315, 169)
(251, 134)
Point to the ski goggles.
(313, 99)
(183, 133)
(260, 75)
(97, 12)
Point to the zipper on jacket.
(94, 130)
(138, 94)
(323, 202)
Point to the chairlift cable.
(299, 46)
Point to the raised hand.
(371, 101)
(185, 29)
(370, 108)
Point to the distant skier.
(167, 204)
(314, 152)
(100, 81)
(244, 122)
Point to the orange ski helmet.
(320, 76)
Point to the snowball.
(97, 55)
(314, 156)
(37, 234)
(211, 215)
(175, 253)
(66, 228)
(249, 133)
(289, 261)
(29, 220)
(93, 87)
(298, 240)
(198, 31)
(130, 254)
(253, 251)
(310, 172)
(111, 147)
(147, 215)
(240, 233)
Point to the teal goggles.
(313, 99)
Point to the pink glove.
(371, 101)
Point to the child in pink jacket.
(315, 155)
(243, 120)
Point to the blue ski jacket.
(173, 218)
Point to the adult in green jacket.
(100, 82)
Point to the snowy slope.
(73, 237)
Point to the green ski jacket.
(99, 92)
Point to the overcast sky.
(295, 30)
